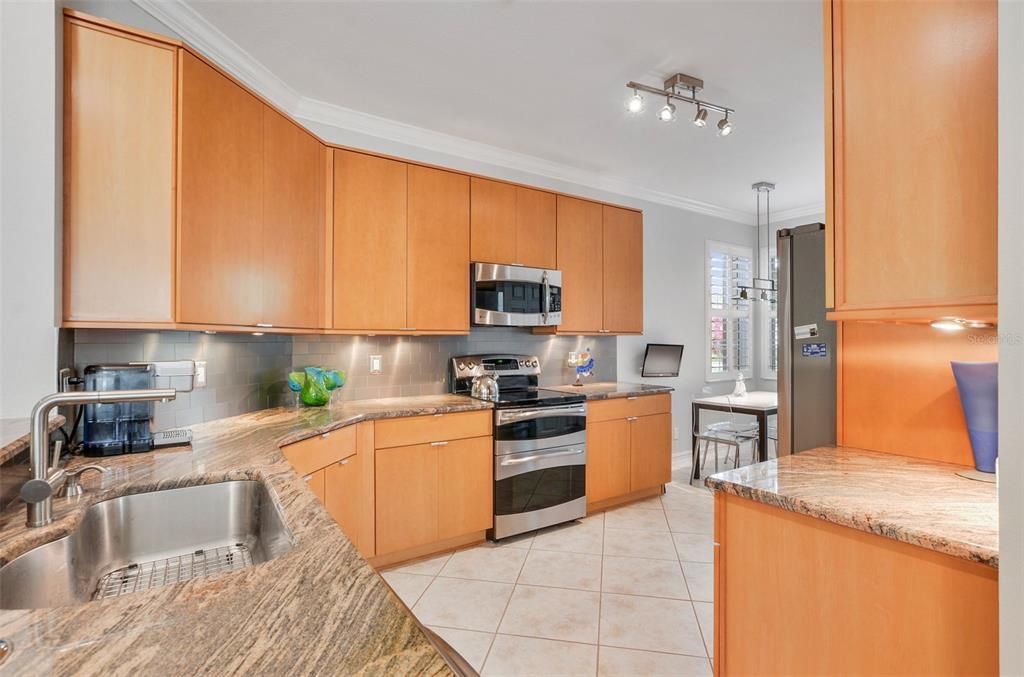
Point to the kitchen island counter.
(319, 608)
(912, 500)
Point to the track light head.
(667, 112)
(724, 126)
(701, 118)
(635, 103)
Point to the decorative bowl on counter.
(315, 384)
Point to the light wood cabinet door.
(580, 258)
(293, 229)
(343, 495)
(465, 471)
(607, 459)
(492, 221)
(650, 451)
(220, 169)
(119, 136)
(623, 232)
(914, 168)
(535, 228)
(438, 278)
(406, 497)
(317, 483)
(370, 242)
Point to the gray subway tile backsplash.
(248, 373)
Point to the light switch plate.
(376, 365)
(200, 377)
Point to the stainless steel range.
(540, 444)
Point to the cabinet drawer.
(319, 452)
(400, 432)
(624, 407)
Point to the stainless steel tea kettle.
(485, 387)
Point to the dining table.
(758, 403)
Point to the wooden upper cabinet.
(119, 131)
(580, 258)
(512, 224)
(220, 170)
(293, 227)
(913, 154)
(493, 221)
(623, 270)
(438, 250)
(370, 240)
(536, 238)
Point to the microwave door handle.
(537, 457)
(546, 296)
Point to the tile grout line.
(504, 611)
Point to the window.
(770, 327)
(729, 318)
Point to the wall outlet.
(199, 380)
(675, 432)
(376, 365)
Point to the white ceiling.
(546, 79)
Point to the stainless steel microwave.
(515, 296)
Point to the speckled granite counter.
(318, 609)
(606, 390)
(14, 435)
(915, 501)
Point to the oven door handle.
(537, 457)
(547, 412)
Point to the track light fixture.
(680, 87)
(724, 126)
(635, 103)
(667, 112)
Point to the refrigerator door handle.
(785, 373)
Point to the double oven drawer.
(520, 430)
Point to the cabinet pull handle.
(324, 436)
(307, 478)
(343, 461)
(438, 415)
(407, 329)
(438, 444)
(631, 397)
(265, 325)
(632, 418)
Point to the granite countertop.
(912, 500)
(606, 390)
(319, 608)
(14, 434)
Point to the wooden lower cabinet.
(343, 496)
(466, 493)
(607, 459)
(317, 483)
(795, 595)
(426, 493)
(406, 497)
(629, 449)
(650, 451)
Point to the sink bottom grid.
(147, 575)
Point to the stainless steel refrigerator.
(807, 343)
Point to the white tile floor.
(626, 592)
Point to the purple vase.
(978, 385)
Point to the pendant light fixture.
(762, 288)
(681, 87)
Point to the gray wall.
(418, 365)
(1011, 335)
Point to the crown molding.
(214, 44)
(194, 29)
(798, 212)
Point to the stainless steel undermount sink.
(148, 540)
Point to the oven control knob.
(462, 366)
(471, 364)
(534, 363)
(521, 363)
